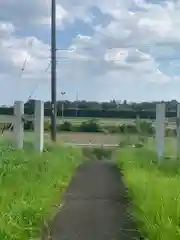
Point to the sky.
(110, 49)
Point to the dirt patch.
(95, 138)
(71, 137)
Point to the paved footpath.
(95, 206)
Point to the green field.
(171, 122)
(78, 120)
(102, 121)
(96, 138)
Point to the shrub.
(97, 153)
(47, 125)
(112, 129)
(143, 128)
(102, 153)
(169, 132)
(66, 126)
(90, 126)
(146, 127)
(128, 128)
(28, 125)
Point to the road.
(94, 206)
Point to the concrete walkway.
(95, 206)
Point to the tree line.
(92, 109)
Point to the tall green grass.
(31, 185)
(155, 191)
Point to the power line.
(22, 71)
(26, 59)
(49, 65)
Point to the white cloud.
(6, 29)
(26, 53)
(139, 46)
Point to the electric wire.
(21, 74)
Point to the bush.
(111, 129)
(170, 132)
(128, 128)
(28, 125)
(66, 126)
(47, 125)
(102, 153)
(97, 153)
(90, 126)
(146, 127)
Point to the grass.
(110, 121)
(70, 137)
(103, 121)
(96, 138)
(31, 185)
(97, 153)
(79, 120)
(155, 191)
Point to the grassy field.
(70, 137)
(78, 120)
(109, 121)
(155, 191)
(25, 204)
(96, 138)
(171, 122)
(31, 185)
(102, 121)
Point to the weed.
(31, 185)
(155, 191)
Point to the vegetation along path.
(95, 206)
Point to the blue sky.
(111, 49)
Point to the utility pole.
(53, 71)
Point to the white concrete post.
(18, 127)
(160, 121)
(178, 130)
(39, 126)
